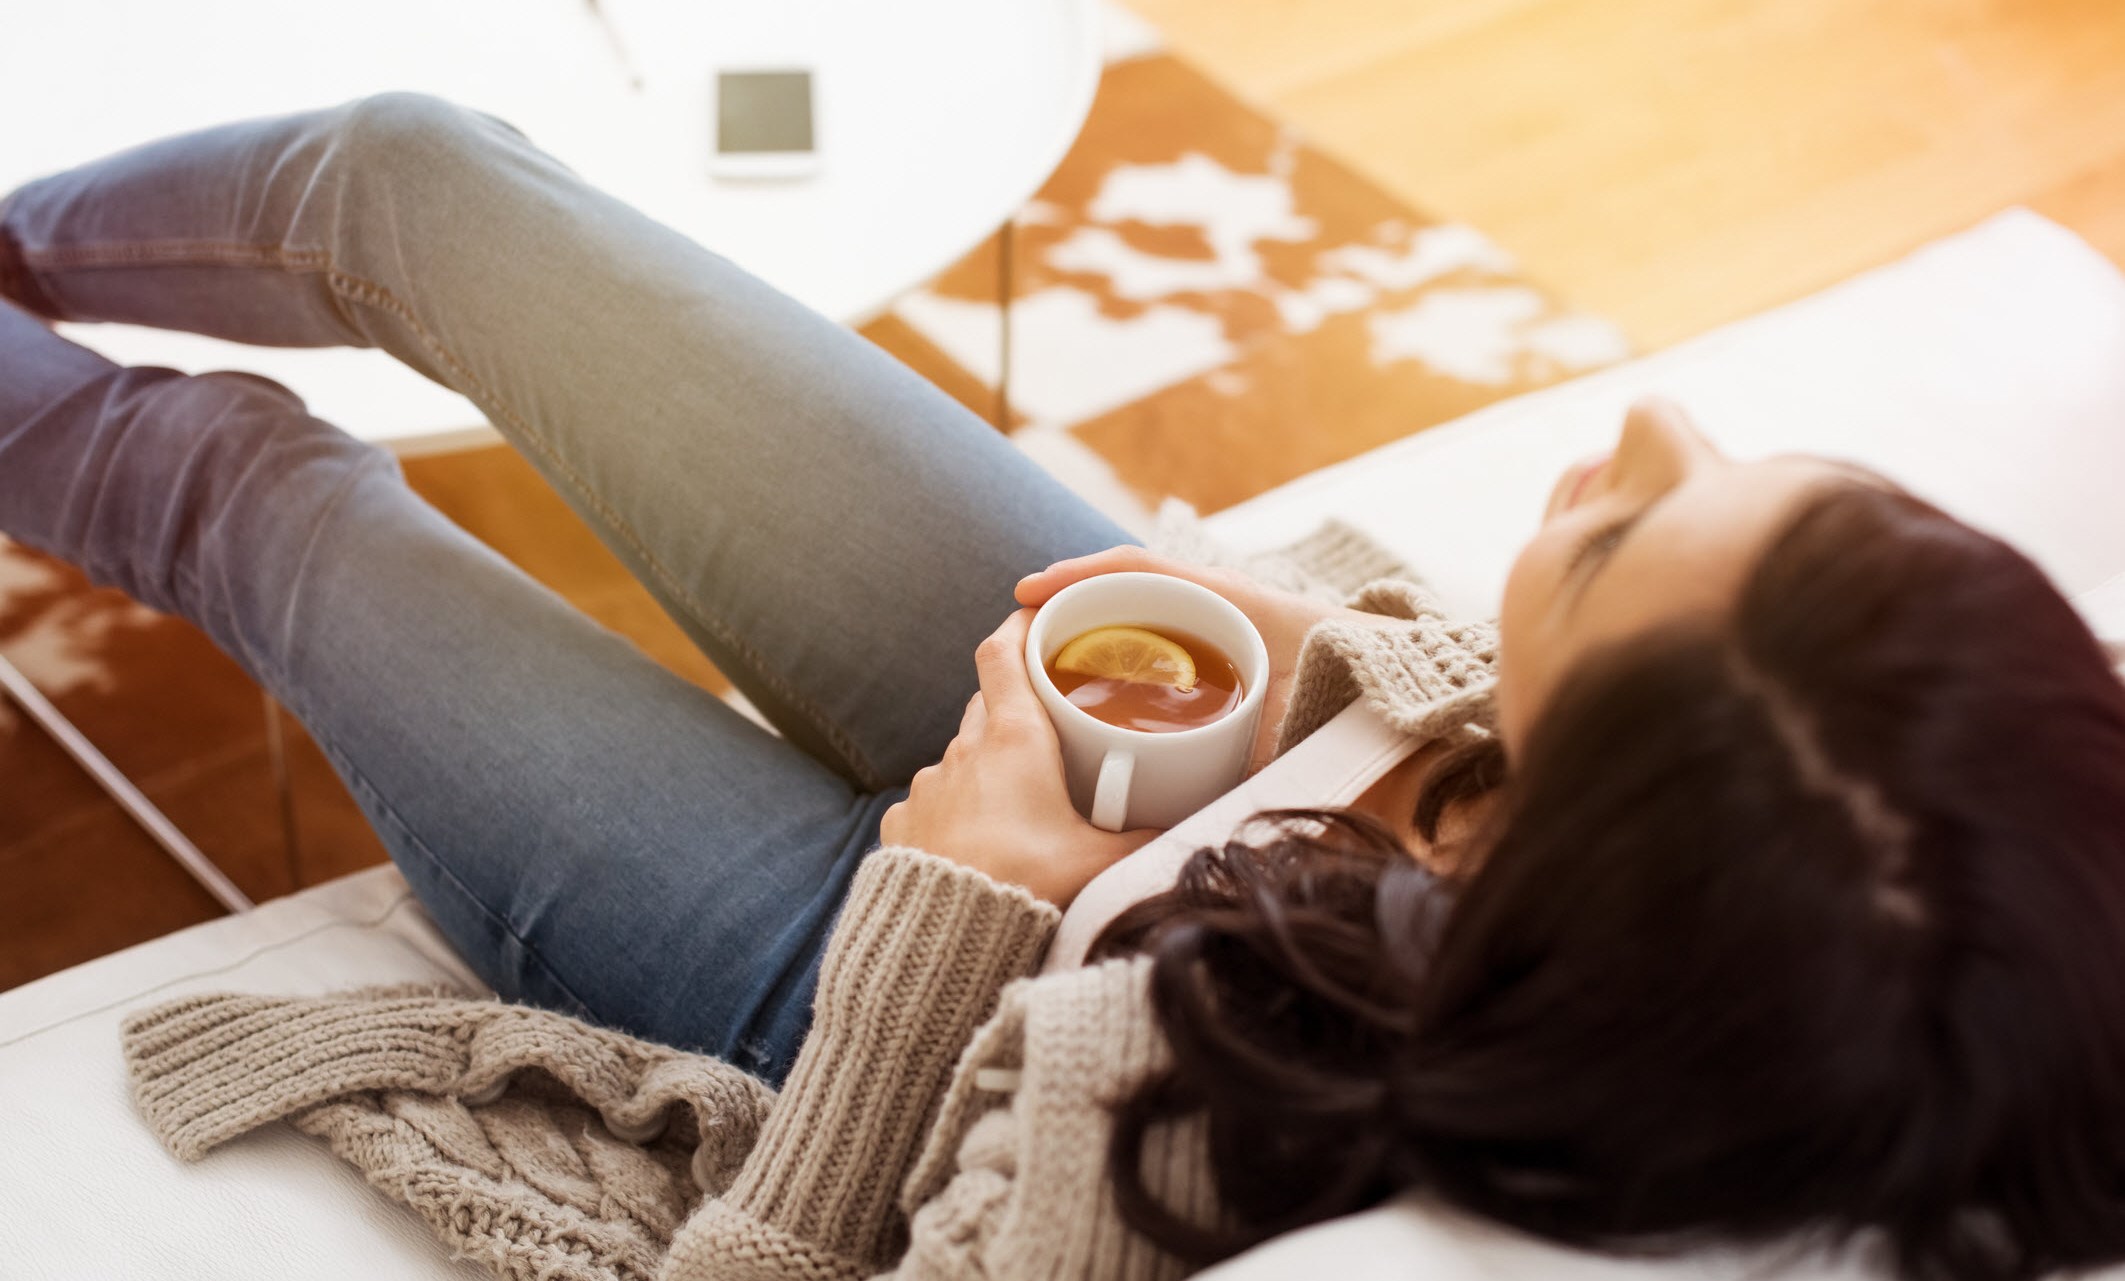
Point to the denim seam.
(369, 293)
(218, 253)
(346, 285)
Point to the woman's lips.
(1586, 473)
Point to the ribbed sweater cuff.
(1394, 597)
(1425, 673)
(921, 952)
(205, 1069)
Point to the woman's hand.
(1283, 618)
(998, 801)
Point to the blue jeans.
(594, 834)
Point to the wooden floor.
(1674, 164)
(1669, 164)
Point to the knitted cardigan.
(947, 1115)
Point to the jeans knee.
(201, 483)
(239, 445)
(258, 412)
(402, 128)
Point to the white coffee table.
(936, 120)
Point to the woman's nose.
(1660, 444)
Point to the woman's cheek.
(1530, 585)
(1523, 615)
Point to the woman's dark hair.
(1807, 919)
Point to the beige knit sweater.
(946, 1117)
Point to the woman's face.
(1663, 529)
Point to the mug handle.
(1110, 794)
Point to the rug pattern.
(1206, 306)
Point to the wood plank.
(1674, 164)
(2093, 204)
(84, 883)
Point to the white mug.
(1125, 778)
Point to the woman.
(1799, 905)
(1799, 908)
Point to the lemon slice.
(1129, 654)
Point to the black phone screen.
(764, 111)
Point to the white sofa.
(1987, 371)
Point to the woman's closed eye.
(1594, 551)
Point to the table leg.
(1006, 290)
(120, 789)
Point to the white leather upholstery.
(1984, 372)
(86, 1191)
(1412, 1239)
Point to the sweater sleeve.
(1427, 674)
(918, 957)
(1013, 1181)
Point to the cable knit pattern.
(1329, 564)
(947, 1116)
(585, 1173)
(1028, 1194)
(915, 965)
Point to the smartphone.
(763, 123)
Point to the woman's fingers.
(1035, 588)
(971, 719)
(1000, 661)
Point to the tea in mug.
(1159, 680)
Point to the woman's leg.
(834, 532)
(593, 833)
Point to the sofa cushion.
(1412, 1237)
(91, 1195)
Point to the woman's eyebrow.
(1858, 471)
(1861, 471)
